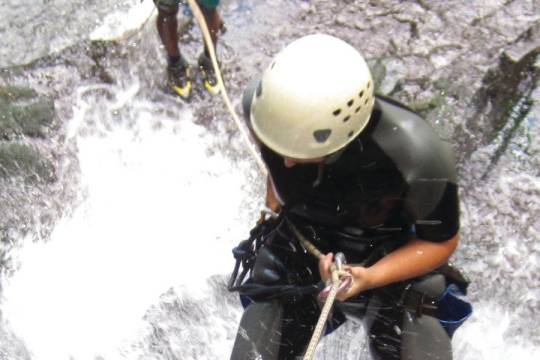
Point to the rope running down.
(325, 312)
(310, 352)
(210, 46)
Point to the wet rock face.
(471, 68)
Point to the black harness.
(246, 253)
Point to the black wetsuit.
(395, 181)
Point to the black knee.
(401, 329)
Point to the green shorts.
(171, 6)
(209, 4)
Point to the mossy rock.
(24, 112)
(13, 93)
(424, 107)
(19, 160)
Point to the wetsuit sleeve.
(442, 222)
(426, 164)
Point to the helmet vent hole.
(272, 65)
(258, 93)
(346, 118)
(366, 101)
(337, 112)
(350, 103)
(350, 133)
(322, 135)
(357, 109)
(369, 84)
(361, 94)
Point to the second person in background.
(179, 77)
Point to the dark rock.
(503, 103)
(504, 88)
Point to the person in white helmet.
(354, 173)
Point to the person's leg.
(258, 334)
(167, 26)
(272, 330)
(424, 338)
(214, 23)
(178, 76)
(298, 324)
(399, 334)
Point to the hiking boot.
(178, 78)
(208, 74)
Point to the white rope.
(325, 312)
(210, 46)
(317, 333)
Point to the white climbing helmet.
(314, 98)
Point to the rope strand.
(210, 46)
(325, 312)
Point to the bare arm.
(415, 258)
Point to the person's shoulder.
(397, 115)
(411, 141)
(384, 100)
(426, 163)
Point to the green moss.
(24, 112)
(13, 93)
(18, 160)
(34, 119)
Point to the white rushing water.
(160, 210)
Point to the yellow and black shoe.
(208, 75)
(179, 78)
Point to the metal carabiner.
(339, 260)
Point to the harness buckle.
(417, 302)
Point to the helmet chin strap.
(332, 158)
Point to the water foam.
(159, 211)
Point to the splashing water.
(158, 212)
(151, 182)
